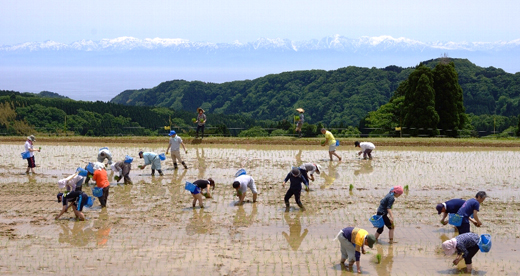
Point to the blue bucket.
(190, 187)
(377, 221)
(90, 201)
(90, 168)
(162, 156)
(455, 220)
(81, 172)
(240, 172)
(337, 143)
(26, 155)
(97, 192)
(484, 243)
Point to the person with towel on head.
(385, 210)
(175, 144)
(466, 246)
(123, 169)
(73, 182)
(153, 159)
(296, 179)
(352, 242)
(104, 153)
(451, 206)
(201, 122)
(101, 177)
(29, 147)
(241, 183)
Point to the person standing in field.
(123, 168)
(471, 207)
(451, 206)
(175, 143)
(352, 242)
(331, 142)
(202, 184)
(466, 246)
(295, 188)
(29, 147)
(385, 210)
(151, 158)
(241, 183)
(101, 178)
(299, 124)
(201, 122)
(366, 149)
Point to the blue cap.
(172, 133)
(128, 159)
(82, 172)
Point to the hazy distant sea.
(104, 83)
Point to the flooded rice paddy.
(150, 228)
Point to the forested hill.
(342, 96)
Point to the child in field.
(295, 188)
(101, 178)
(385, 210)
(75, 199)
(352, 242)
(201, 185)
(30, 148)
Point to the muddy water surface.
(149, 228)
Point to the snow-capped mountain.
(336, 43)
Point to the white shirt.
(175, 143)
(246, 181)
(27, 147)
(366, 145)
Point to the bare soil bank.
(385, 141)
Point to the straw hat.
(199, 109)
(32, 138)
(301, 110)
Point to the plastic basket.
(26, 155)
(455, 220)
(484, 243)
(337, 143)
(81, 172)
(240, 172)
(190, 187)
(162, 156)
(90, 168)
(377, 221)
(97, 192)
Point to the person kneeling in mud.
(201, 185)
(295, 188)
(75, 199)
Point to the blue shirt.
(467, 209)
(385, 204)
(453, 206)
(296, 182)
(347, 233)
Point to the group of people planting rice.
(352, 239)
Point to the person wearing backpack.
(75, 199)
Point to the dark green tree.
(448, 99)
(419, 103)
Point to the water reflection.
(331, 176)
(79, 235)
(199, 223)
(387, 261)
(202, 163)
(364, 168)
(103, 226)
(242, 219)
(295, 237)
(177, 177)
(298, 158)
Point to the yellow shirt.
(330, 137)
(358, 237)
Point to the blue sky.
(230, 20)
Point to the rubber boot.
(184, 164)
(153, 172)
(287, 207)
(175, 166)
(301, 207)
(160, 172)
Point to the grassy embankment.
(379, 141)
